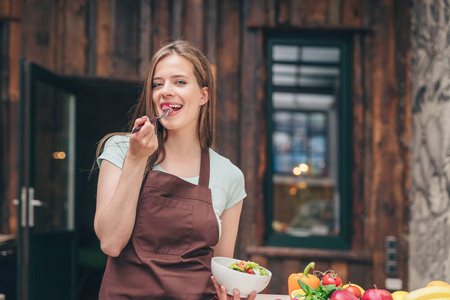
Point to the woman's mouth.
(174, 107)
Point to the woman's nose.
(167, 90)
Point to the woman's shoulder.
(118, 140)
(223, 165)
(115, 149)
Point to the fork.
(165, 113)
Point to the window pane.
(305, 82)
(304, 76)
(281, 100)
(320, 54)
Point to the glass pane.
(304, 76)
(285, 53)
(321, 54)
(304, 147)
(281, 100)
(53, 158)
(292, 53)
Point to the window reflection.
(305, 82)
(293, 53)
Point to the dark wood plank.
(252, 133)
(342, 269)
(334, 13)
(90, 34)
(57, 35)
(271, 11)
(15, 51)
(125, 44)
(12, 184)
(314, 13)
(386, 186)
(10, 115)
(361, 275)
(194, 23)
(358, 204)
(103, 33)
(258, 14)
(5, 9)
(277, 283)
(177, 19)
(296, 13)
(307, 254)
(283, 10)
(5, 122)
(160, 24)
(249, 128)
(229, 79)
(351, 13)
(402, 11)
(211, 31)
(74, 42)
(39, 25)
(367, 148)
(145, 29)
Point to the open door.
(46, 236)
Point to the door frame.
(29, 72)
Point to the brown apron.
(169, 252)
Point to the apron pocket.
(164, 225)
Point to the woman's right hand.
(143, 142)
(223, 295)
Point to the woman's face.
(175, 84)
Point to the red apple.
(376, 294)
(342, 295)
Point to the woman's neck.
(183, 155)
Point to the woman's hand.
(143, 142)
(222, 292)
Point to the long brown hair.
(146, 107)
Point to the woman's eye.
(181, 82)
(156, 84)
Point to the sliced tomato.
(250, 271)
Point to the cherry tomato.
(330, 278)
(354, 290)
(250, 271)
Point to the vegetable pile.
(248, 267)
(310, 287)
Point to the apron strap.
(204, 170)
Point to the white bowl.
(232, 279)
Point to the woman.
(166, 202)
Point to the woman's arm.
(225, 246)
(118, 191)
(230, 224)
(117, 195)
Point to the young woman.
(166, 202)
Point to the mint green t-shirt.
(226, 181)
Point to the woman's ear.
(205, 97)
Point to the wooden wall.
(116, 38)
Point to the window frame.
(344, 42)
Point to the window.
(309, 144)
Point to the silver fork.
(165, 113)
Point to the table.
(272, 297)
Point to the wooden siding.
(116, 38)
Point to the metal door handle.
(35, 202)
(32, 203)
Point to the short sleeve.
(115, 150)
(236, 188)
